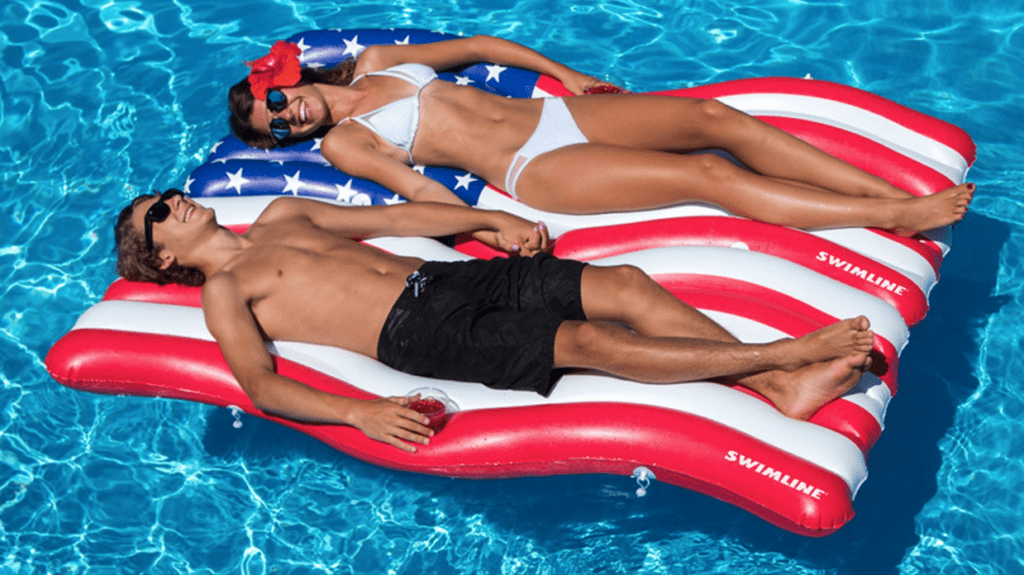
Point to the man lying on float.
(299, 274)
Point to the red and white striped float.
(725, 442)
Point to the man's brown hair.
(136, 263)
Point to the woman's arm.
(356, 154)
(514, 234)
(353, 151)
(448, 54)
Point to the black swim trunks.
(489, 321)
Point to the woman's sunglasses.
(157, 213)
(276, 103)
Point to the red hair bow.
(278, 68)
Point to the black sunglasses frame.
(158, 213)
(276, 102)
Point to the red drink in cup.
(605, 89)
(434, 409)
(435, 404)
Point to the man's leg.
(626, 294)
(673, 342)
(764, 368)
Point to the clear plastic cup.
(435, 404)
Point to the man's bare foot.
(800, 393)
(843, 338)
(928, 212)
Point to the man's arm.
(512, 233)
(233, 326)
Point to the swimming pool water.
(102, 100)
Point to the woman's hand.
(521, 237)
(580, 84)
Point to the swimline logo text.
(861, 273)
(770, 473)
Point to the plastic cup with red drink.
(435, 404)
(605, 89)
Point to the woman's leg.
(686, 124)
(595, 178)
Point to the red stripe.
(552, 86)
(172, 294)
(538, 440)
(850, 420)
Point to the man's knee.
(626, 278)
(578, 342)
(632, 286)
(618, 292)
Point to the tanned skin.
(630, 162)
(300, 274)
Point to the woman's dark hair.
(136, 263)
(241, 100)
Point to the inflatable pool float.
(761, 282)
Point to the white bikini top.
(398, 121)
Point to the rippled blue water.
(101, 100)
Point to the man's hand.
(390, 420)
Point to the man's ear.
(166, 259)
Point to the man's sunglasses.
(157, 213)
(276, 103)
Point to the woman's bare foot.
(800, 393)
(843, 338)
(928, 212)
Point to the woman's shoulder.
(342, 140)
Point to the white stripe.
(245, 209)
(820, 446)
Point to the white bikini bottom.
(556, 129)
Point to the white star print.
(302, 46)
(420, 169)
(188, 185)
(494, 71)
(345, 193)
(402, 42)
(236, 181)
(464, 181)
(213, 149)
(397, 199)
(463, 80)
(353, 46)
(316, 144)
(293, 183)
(220, 161)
